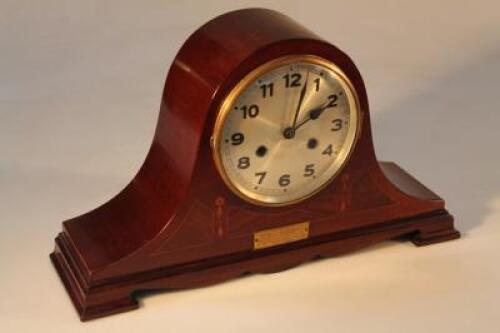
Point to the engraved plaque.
(278, 236)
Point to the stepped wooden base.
(117, 295)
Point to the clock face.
(286, 130)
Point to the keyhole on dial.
(312, 143)
(261, 151)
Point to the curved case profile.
(177, 225)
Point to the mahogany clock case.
(176, 224)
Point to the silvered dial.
(286, 130)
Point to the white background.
(80, 87)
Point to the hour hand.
(313, 114)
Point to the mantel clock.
(262, 159)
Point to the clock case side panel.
(176, 217)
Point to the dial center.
(289, 133)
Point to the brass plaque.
(278, 236)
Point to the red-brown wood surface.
(177, 225)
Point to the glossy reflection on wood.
(176, 225)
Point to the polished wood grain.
(176, 225)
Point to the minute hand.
(301, 99)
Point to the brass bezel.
(227, 106)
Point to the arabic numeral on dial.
(328, 151)
(337, 124)
(243, 162)
(237, 139)
(292, 80)
(316, 82)
(284, 180)
(309, 170)
(267, 90)
(261, 176)
(332, 101)
(251, 111)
